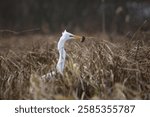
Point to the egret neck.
(62, 54)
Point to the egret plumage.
(62, 53)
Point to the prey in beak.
(81, 38)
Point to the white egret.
(62, 53)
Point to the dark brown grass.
(95, 69)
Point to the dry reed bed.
(96, 69)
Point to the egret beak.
(81, 38)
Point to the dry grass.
(95, 69)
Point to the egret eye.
(70, 35)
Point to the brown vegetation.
(96, 69)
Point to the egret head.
(67, 36)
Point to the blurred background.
(51, 16)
